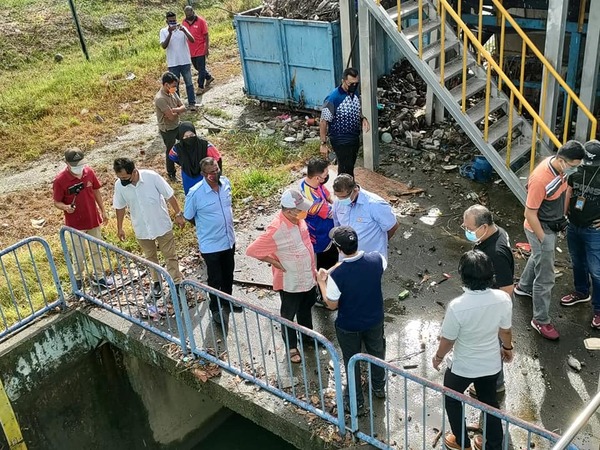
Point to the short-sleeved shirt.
(497, 248)
(320, 215)
(187, 180)
(585, 183)
(86, 215)
(198, 28)
(163, 102)
(473, 321)
(290, 245)
(342, 111)
(147, 205)
(546, 193)
(371, 217)
(213, 215)
(178, 52)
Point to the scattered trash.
(431, 217)
(450, 167)
(38, 223)
(410, 366)
(592, 343)
(574, 363)
(407, 234)
(559, 250)
(479, 170)
(404, 294)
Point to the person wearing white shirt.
(146, 194)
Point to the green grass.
(258, 183)
(216, 112)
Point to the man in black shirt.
(583, 232)
(492, 240)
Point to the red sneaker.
(548, 331)
(596, 321)
(575, 297)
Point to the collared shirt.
(342, 110)
(319, 219)
(86, 215)
(213, 215)
(546, 192)
(290, 245)
(162, 103)
(178, 52)
(199, 30)
(147, 204)
(371, 217)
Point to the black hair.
(476, 270)
(169, 77)
(125, 164)
(344, 183)
(350, 72)
(348, 248)
(481, 215)
(170, 14)
(315, 166)
(571, 151)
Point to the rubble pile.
(321, 10)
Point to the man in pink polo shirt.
(287, 247)
(198, 28)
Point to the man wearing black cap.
(353, 287)
(583, 232)
(544, 218)
(76, 192)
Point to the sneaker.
(547, 331)
(379, 393)
(192, 107)
(208, 81)
(450, 443)
(200, 91)
(575, 297)
(78, 284)
(478, 442)
(237, 308)
(102, 283)
(596, 321)
(359, 406)
(217, 317)
(172, 177)
(157, 289)
(522, 292)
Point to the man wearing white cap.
(287, 247)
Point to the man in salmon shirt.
(544, 218)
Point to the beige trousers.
(81, 247)
(166, 244)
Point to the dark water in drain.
(239, 433)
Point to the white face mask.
(76, 170)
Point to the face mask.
(76, 170)
(569, 171)
(471, 236)
(345, 201)
(301, 215)
(126, 182)
(214, 177)
(352, 88)
(172, 24)
(189, 140)
(172, 90)
(325, 180)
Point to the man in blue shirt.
(368, 214)
(342, 119)
(208, 206)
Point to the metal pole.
(581, 420)
(79, 31)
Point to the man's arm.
(120, 217)
(207, 42)
(322, 280)
(444, 347)
(531, 215)
(100, 203)
(187, 33)
(323, 127)
(164, 43)
(392, 230)
(170, 113)
(264, 247)
(506, 349)
(179, 220)
(64, 207)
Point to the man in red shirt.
(198, 28)
(76, 191)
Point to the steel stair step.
(408, 9)
(519, 155)
(477, 112)
(474, 85)
(453, 68)
(434, 50)
(429, 25)
(500, 129)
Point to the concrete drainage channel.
(87, 379)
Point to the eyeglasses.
(465, 228)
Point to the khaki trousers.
(81, 247)
(166, 244)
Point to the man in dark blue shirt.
(342, 119)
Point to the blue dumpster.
(288, 61)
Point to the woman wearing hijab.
(188, 153)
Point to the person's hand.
(322, 275)
(104, 217)
(435, 362)
(365, 125)
(121, 234)
(507, 355)
(173, 28)
(70, 209)
(596, 223)
(277, 264)
(324, 150)
(207, 53)
(180, 221)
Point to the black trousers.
(220, 267)
(346, 155)
(486, 393)
(169, 138)
(296, 305)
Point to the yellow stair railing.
(445, 9)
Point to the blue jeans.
(351, 343)
(584, 248)
(185, 71)
(199, 63)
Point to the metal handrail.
(581, 420)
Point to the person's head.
(74, 159)
(569, 157)
(186, 130)
(318, 168)
(344, 239)
(209, 168)
(189, 12)
(294, 206)
(169, 82)
(345, 189)
(591, 157)
(171, 18)
(478, 222)
(350, 80)
(125, 171)
(476, 270)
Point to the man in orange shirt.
(544, 218)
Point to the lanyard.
(585, 188)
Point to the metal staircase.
(436, 42)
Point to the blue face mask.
(472, 235)
(345, 201)
(569, 171)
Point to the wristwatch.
(323, 142)
(179, 214)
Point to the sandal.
(294, 356)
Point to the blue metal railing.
(24, 285)
(411, 405)
(127, 287)
(260, 354)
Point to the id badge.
(580, 203)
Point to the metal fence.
(258, 351)
(123, 283)
(29, 284)
(413, 413)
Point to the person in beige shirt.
(168, 107)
